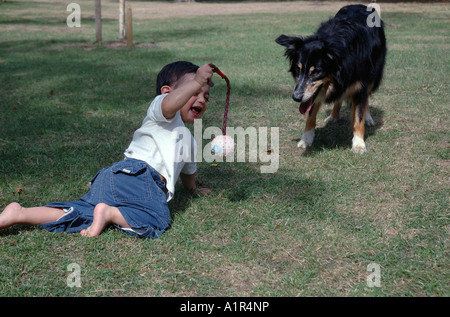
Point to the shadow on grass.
(242, 185)
(339, 134)
(16, 230)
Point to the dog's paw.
(330, 119)
(358, 145)
(359, 149)
(369, 120)
(302, 144)
(306, 140)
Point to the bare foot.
(103, 216)
(101, 219)
(10, 215)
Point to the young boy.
(133, 194)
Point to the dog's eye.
(314, 71)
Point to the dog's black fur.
(342, 61)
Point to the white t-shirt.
(165, 144)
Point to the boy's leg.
(104, 215)
(14, 213)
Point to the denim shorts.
(132, 186)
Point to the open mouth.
(306, 106)
(196, 111)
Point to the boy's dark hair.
(172, 72)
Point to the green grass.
(310, 229)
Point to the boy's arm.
(178, 97)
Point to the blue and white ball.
(222, 145)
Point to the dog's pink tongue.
(305, 106)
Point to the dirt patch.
(162, 10)
(32, 12)
(192, 9)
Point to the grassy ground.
(69, 108)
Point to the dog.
(342, 62)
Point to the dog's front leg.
(306, 140)
(308, 136)
(358, 117)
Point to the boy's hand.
(204, 74)
(179, 96)
(200, 191)
(196, 189)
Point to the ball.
(222, 145)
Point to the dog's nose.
(297, 96)
(298, 92)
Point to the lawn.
(69, 107)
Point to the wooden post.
(129, 27)
(121, 20)
(98, 21)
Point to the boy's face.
(196, 106)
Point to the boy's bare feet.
(10, 215)
(14, 213)
(103, 216)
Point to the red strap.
(227, 100)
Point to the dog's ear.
(333, 59)
(333, 53)
(329, 59)
(332, 63)
(291, 42)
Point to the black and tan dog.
(343, 61)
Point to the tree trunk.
(98, 21)
(121, 20)
(129, 27)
